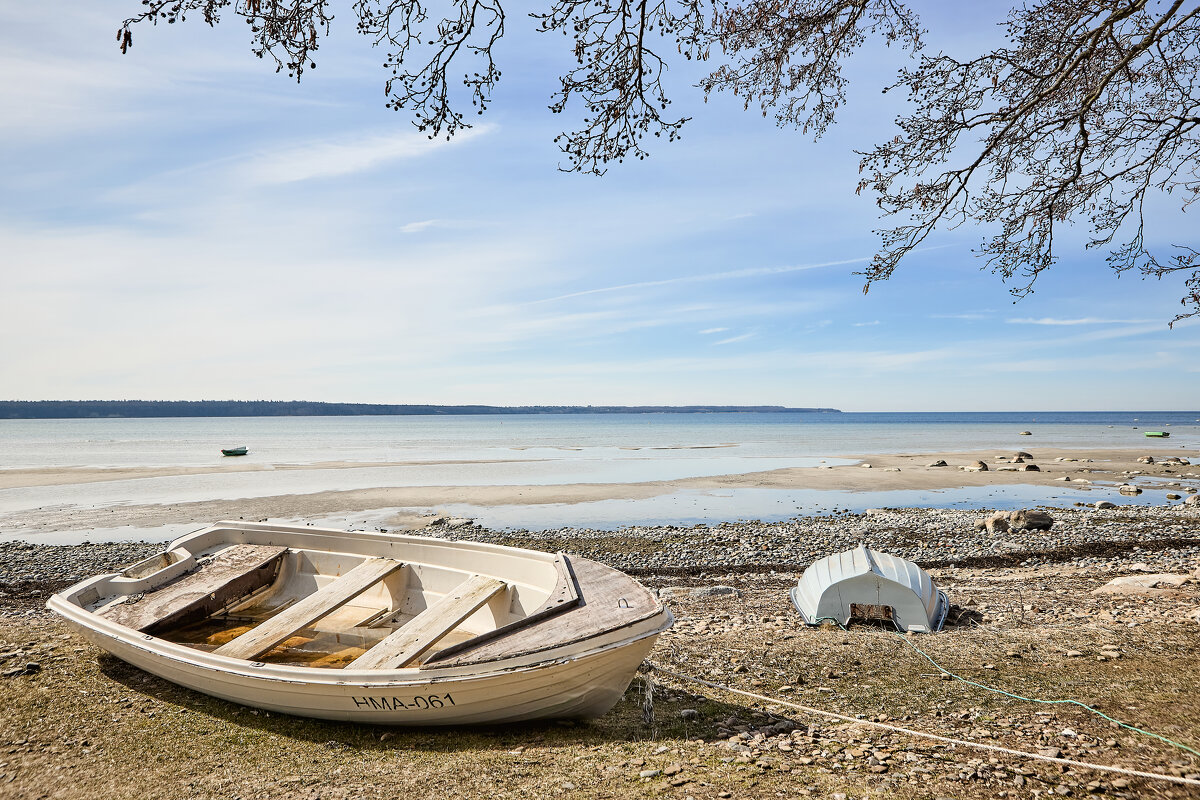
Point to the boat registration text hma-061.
(420, 702)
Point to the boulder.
(1155, 584)
(1104, 504)
(996, 523)
(1030, 520)
(1193, 500)
(1126, 488)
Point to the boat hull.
(577, 678)
(585, 685)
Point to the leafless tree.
(1088, 111)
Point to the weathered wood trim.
(233, 573)
(598, 612)
(564, 596)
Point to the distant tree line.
(79, 409)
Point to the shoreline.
(414, 507)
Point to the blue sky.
(182, 223)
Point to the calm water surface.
(550, 449)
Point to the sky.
(184, 223)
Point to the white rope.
(909, 731)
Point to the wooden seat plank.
(406, 644)
(608, 600)
(231, 574)
(262, 638)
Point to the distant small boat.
(1158, 434)
(235, 451)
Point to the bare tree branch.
(1090, 110)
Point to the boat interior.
(407, 602)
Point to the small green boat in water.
(1158, 434)
(235, 451)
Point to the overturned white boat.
(869, 585)
(372, 627)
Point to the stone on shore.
(1030, 520)
(1154, 584)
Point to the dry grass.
(87, 725)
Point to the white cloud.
(866, 324)
(749, 272)
(707, 331)
(417, 227)
(1079, 321)
(740, 338)
(327, 158)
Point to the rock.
(978, 466)
(650, 773)
(997, 523)
(673, 769)
(1030, 520)
(689, 713)
(1025, 433)
(1126, 488)
(1146, 460)
(1074, 654)
(938, 463)
(1022, 454)
(1173, 496)
(1157, 583)
(1032, 468)
(458, 522)
(865, 466)
(1194, 500)
(1104, 504)
(714, 591)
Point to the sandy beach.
(414, 507)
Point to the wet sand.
(413, 505)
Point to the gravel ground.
(1024, 618)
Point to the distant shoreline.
(141, 409)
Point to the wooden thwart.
(264, 637)
(405, 645)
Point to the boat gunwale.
(78, 615)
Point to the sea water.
(560, 449)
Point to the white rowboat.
(374, 627)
